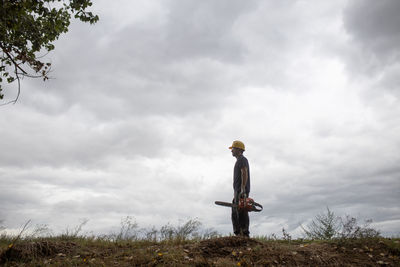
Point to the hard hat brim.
(236, 147)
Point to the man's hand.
(242, 193)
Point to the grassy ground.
(222, 251)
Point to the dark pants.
(240, 219)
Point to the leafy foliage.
(189, 229)
(128, 229)
(28, 27)
(75, 232)
(327, 226)
(324, 226)
(351, 229)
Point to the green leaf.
(27, 27)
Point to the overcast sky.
(142, 107)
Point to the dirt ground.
(224, 251)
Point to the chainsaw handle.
(255, 205)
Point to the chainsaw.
(247, 204)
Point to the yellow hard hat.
(237, 144)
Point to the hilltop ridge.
(221, 251)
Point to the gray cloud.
(204, 29)
(372, 27)
(144, 104)
(58, 141)
(173, 65)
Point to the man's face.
(235, 151)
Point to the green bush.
(327, 226)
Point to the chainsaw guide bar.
(248, 204)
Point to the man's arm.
(245, 177)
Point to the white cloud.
(144, 104)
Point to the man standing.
(241, 187)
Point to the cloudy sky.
(142, 107)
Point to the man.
(241, 187)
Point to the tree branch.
(11, 58)
(19, 89)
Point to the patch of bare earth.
(224, 251)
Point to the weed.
(351, 229)
(128, 231)
(286, 235)
(75, 232)
(327, 226)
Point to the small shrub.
(324, 226)
(286, 235)
(167, 232)
(129, 230)
(188, 230)
(210, 233)
(40, 230)
(328, 225)
(351, 229)
(75, 232)
(151, 234)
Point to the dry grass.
(223, 251)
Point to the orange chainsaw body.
(246, 204)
